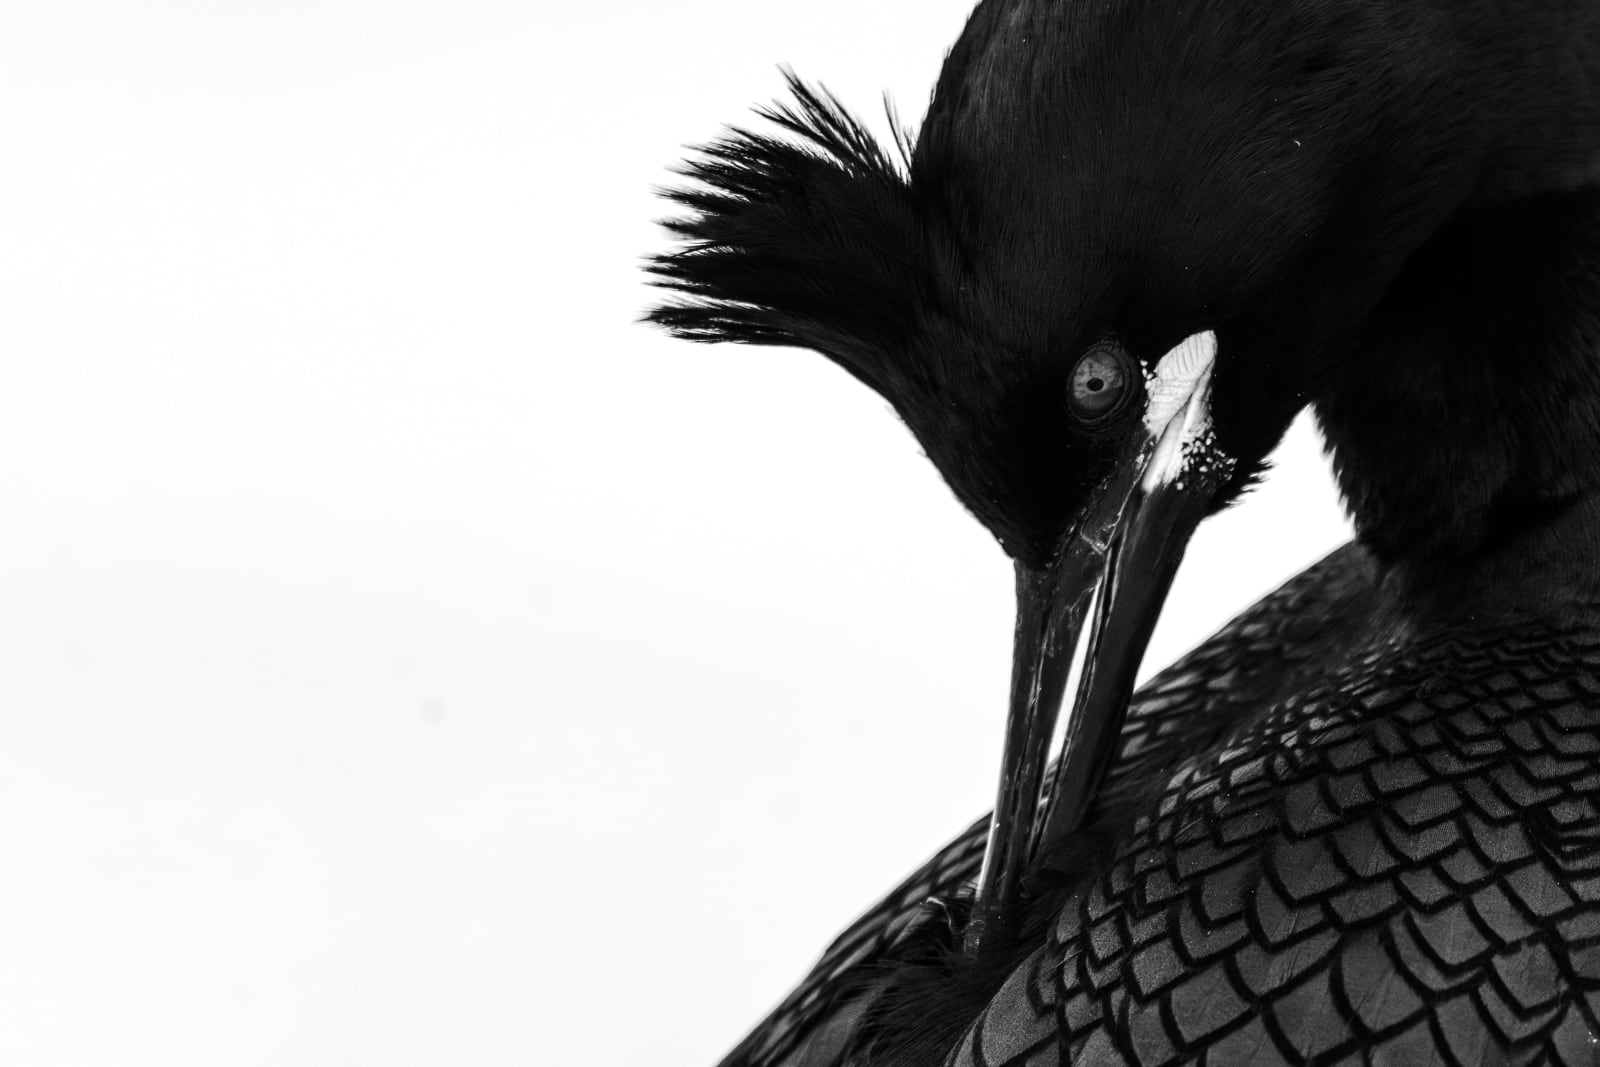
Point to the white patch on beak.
(1177, 414)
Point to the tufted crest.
(815, 239)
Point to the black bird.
(1130, 242)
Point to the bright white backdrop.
(405, 658)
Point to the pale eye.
(1099, 382)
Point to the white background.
(405, 658)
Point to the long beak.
(1127, 547)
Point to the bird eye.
(1099, 382)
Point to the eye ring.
(1100, 384)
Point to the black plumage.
(1417, 833)
(1362, 824)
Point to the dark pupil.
(1097, 384)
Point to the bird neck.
(1465, 424)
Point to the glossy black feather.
(822, 240)
(812, 240)
(1201, 694)
(1394, 860)
(1324, 836)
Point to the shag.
(1130, 242)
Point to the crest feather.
(812, 238)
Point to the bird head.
(1125, 249)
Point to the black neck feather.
(1467, 415)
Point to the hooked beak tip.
(1125, 550)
